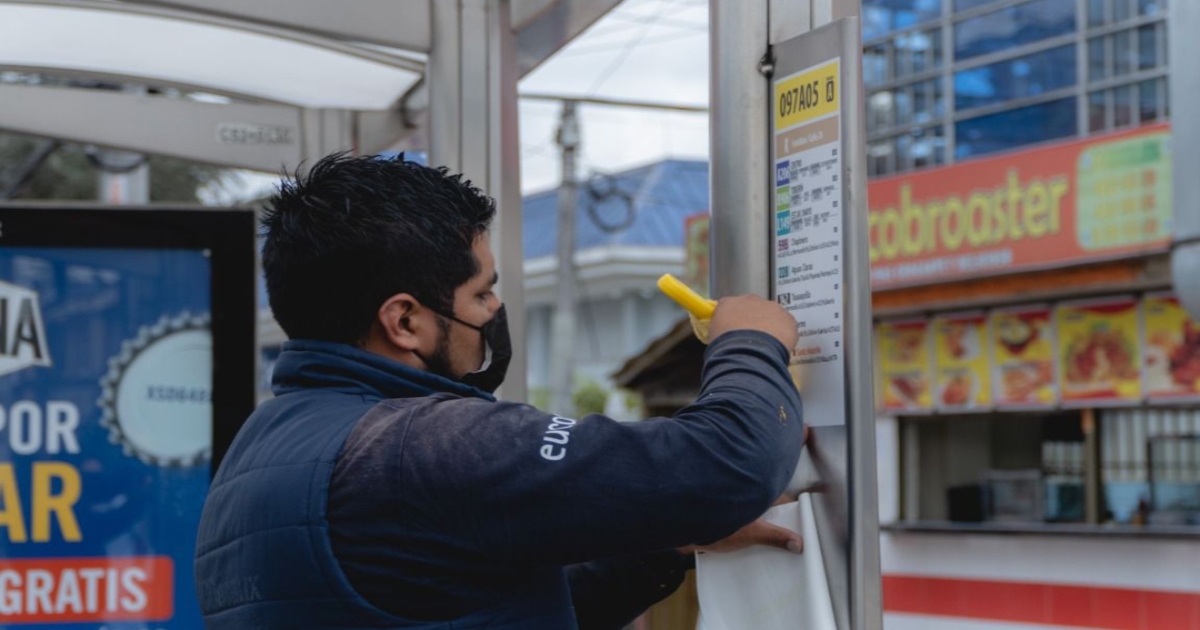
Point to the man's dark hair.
(355, 231)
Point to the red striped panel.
(1099, 607)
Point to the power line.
(628, 22)
(625, 52)
(614, 102)
(543, 150)
(539, 112)
(607, 47)
(658, 20)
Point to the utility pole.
(124, 175)
(562, 337)
(564, 326)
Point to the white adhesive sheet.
(766, 588)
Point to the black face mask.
(497, 352)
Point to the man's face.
(460, 349)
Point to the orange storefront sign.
(1099, 198)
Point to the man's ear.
(400, 319)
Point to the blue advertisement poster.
(105, 435)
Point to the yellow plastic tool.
(699, 307)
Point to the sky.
(643, 50)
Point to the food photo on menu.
(905, 365)
(961, 352)
(1172, 362)
(1024, 356)
(1099, 354)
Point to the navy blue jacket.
(371, 495)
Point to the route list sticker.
(808, 234)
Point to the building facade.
(1038, 423)
(1039, 435)
(949, 80)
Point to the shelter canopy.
(163, 46)
(304, 78)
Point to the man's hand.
(759, 532)
(750, 312)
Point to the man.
(384, 487)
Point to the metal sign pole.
(739, 159)
(821, 275)
(1185, 95)
(802, 234)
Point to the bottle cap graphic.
(156, 399)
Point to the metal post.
(1183, 19)
(124, 188)
(474, 130)
(444, 79)
(123, 176)
(743, 244)
(866, 597)
(739, 155)
(1091, 467)
(326, 131)
(562, 339)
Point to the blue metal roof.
(420, 157)
(662, 195)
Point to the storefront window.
(1010, 79)
(1013, 26)
(1032, 468)
(1015, 128)
(928, 148)
(1097, 111)
(904, 106)
(1152, 7)
(929, 101)
(911, 150)
(1122, 10)
(1097, 59)
(1102, 12)
(917, 103)
(1124, 56)
(1127, 51)
(881, 17)
(965, 5)
(1148, 45)
(875, 65)
(917, 52)
(997, 468)
(880, 108)
(1174, 464)
(1149, 100)
(1150, 466)
(1122, 106)
(1165, 98)
(879, 158)
(1097, 12)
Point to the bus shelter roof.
(202, 52)
(357, 56)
